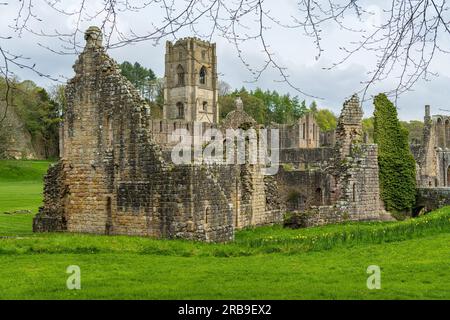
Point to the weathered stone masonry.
(115, 175)
(335, 184)
(114, 178)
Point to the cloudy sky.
(292, 49)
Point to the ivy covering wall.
(397, 165)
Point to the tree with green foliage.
(367, 127)
(39, 115)
(326, 120)
(397, 165)
(58, 95)
(313, 107)
(254, 106)
(265, 106)
(415, 129)
(141, 77)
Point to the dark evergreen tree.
(142, 78)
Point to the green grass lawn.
(21, 184)
(327, 262)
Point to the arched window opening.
(205, 106)
(354, 192)
(180, 109)
(180, 75)
(160, 126)
(304, 130)
(207, 215)
(203, 75)
(318, 196)
(108, 224)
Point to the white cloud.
(292, 49)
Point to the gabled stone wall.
(113, 174)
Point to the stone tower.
(191, 90)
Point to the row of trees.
(413, 127)
(270, 106)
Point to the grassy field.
(21, 184)
(327, 262)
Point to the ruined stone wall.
(168, 133)
(433, 157)
(307, 158)
(427, 175)
(358, 181)
(51, 216)
(301, 189)
(432, 198)
(316, 216)
(15, 139)
(115, 176)
(356, 166)
(305, 133)
(327, 139)
(343, 179)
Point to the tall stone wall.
(116, 175)
(433, 156)
(432, 198)
(302, 189)
(115, 178)
(334, 184)
(358, 182)
(300, 158)
(356, 166)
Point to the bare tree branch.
(404, 43)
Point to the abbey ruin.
(116, 175)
